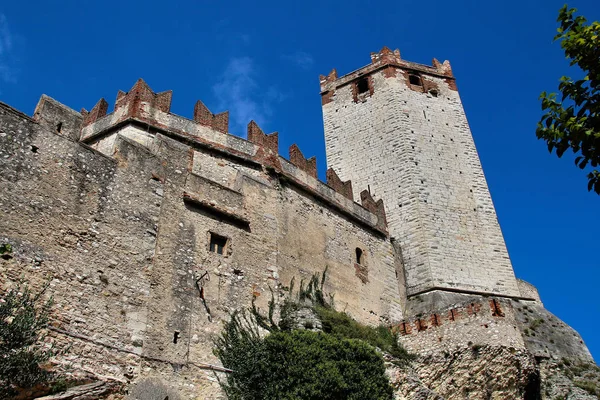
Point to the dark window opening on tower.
(434, 93)
(362, 85)
(217, 243)
(415, 80)
(360, 256)
(175, 337)
(59, 127)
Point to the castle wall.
(476, 323)
(313, 237)
(77, 220)
(415, 151)
(528, 291)
(122, 229)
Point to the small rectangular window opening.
(217, 243)
(362, 86)
(175, 337)
(359, 256)
(415, 80)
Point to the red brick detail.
(269, 142)
(218, 122)
(386, 56)
(452, 84)
(405, 328)
(389, 72)
(470, 309)
(401, 328)
(362, 272)
(327, 97)
(163, 101)
(331, 77)
(436, 320)
(496, 310)
(421, 325)
(453, 314)
(96, 113)
(444, 68)
(473, 308)
(343, 188)
(376, 208)
(141, 93)
(297, 158)
(120, 95)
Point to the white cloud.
(300, 58)
(239, 92)
(7, 72)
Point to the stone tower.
(399, 128)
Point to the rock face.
(478, 373)
(515, 350)
(90, 391)
(492, 372)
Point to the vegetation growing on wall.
(584, 375)
(23, 317)
(273, 360)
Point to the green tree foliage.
(298, 364)
(342, 325)
(339, 363)
(572, 119)
(23, 317)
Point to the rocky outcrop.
(570, 380)
(493, 372)
(90, 391)
(469, 373)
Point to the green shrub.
(343, 326)
(536, 323)
(23, 316)
(298, 365)
(339, 363)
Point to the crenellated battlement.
(97, 112)
(391, 64)
(422, 323)
(151, 111)
(307, 165)
(218, 122)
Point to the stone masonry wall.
(121, 228)
(412, 146)
(481, 321)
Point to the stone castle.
(152, 228)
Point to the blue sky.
(262, 61)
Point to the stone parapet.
(389, 61)
(486, 321)
(150, 112)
